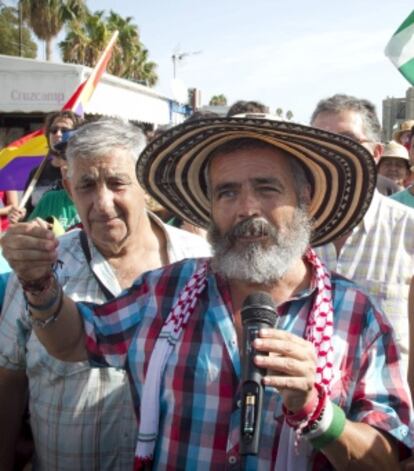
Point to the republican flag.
(21, 156)
(400, 48)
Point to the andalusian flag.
(21, 156)
(400, 49)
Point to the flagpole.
(29, 190)
(86, 89)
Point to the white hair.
(98, 138)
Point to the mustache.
(252, 227)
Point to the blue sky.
(285, 54)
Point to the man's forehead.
(108, 165)
(252, 165)
(344, 122)
(251, 155)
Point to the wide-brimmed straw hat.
(393, 150)
(342, 173)
(405, 126)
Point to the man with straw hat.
(402, 135)
(394, 163)
(266, 190)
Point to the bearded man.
(333, 396)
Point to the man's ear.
(66, 184)
(377, 151)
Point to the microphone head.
(259, 307)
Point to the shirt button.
(232, 459)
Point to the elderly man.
(378, 254)
(82, 417)
(266, 189)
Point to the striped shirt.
(199, 408)
(379, 256)
(82, 417)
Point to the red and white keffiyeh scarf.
(319, 331)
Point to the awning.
(29, 86)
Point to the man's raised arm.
(30, 249)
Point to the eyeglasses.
(55, 129)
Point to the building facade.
(396, 110)
(30, 89)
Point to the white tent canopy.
(28, 85)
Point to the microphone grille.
(259, 307)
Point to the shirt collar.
(154, 218)
(301, 296)
(158, 222)
(370, 217)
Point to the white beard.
(257, 262)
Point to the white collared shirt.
(81, 417)
(379, 256)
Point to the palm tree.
(47, 17)
(15, 41)
(279, 112)
(85, 40)
(289, 115)
(143, 70)
(130, 59)
(218, 100)
(128, 44)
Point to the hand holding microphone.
(270, 357)
(258, 311)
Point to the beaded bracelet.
(52, 318)
(318, 426)
(39, 286)
(310, 413)
(294, 419)
(48, 304)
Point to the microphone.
(258, 311)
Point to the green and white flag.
(400, 48)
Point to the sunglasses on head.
(55, 129)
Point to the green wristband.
(334, 431)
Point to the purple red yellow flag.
(19, 157)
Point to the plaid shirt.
(82, 418)
(199, 413)
(379, 256)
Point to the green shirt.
(404, 197)
(58, 204)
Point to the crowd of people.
(124, 341)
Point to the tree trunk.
(48, 49)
